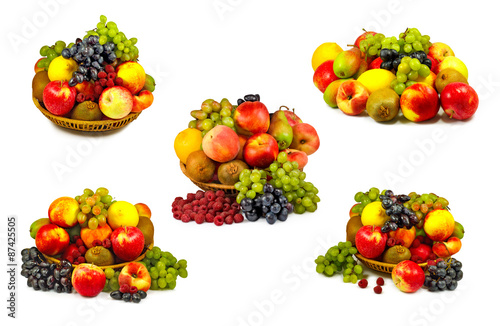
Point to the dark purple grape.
(136, 297)
(240, 101)
(51, 280)
(66, 53)
(93, 73)
(275, 208)
(111, 57)
(246, 204)
(389, 193)
(268, 188)
(250, 98)
(252, 216)
(278, 192)
(271, 217)
(58, 287)
(142, 294)
(393, 226)
(406, 221)
(283, 215)
(117, 295)
(127, 297)
(65, 281)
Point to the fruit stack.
(95, 78)
(382, 74)
(396, 233)
(243, 147)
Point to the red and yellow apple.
(260, 150)
(142, 101)
(63, 212)
(51, 239)
(407, 236)
(127, 242)
(88, 279)
(116, 102)
(243, 139)
(291, 117)
(251, 118)
(439, 224)
(143, 210)
(352, 97)
(59, 97)
(294, 155)
(370, 241)
(221, 144)
(135, 274)
(447, 248)
(324, 75)
(101, 233)
(439, 51)
(133, 75)
(459, 100)
(419, 102)
(408, 276)
(305, 138)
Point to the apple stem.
(283, 106)
(452, 113)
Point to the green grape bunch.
(340, 259)
(211, 114)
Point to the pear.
(447, 76)
(36, 225)
(280, 129)
(347, 63)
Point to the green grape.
(400, 77)
(183, 272)
(162, 283)
(404, 67)
(228, 121)
(113, 283)
(399, 88)
(273, 167)
(287, 166)
(358, 269)
(239, 197)
(282, 157)
(415, 64)
(258, 187)
(410, 82)
(109, 272)
(251, 194)
(413, 75)
(424, 71)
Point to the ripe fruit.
(59, 97)
(61, 69)
(370, 241)
(116, 102)
(347, 63)
(408, 276)
(40, 80)
(352, 97)
(101, 233)
(63, 212)
(260, 150)
(455, 63)
(200, 167)
(330, 94)
(133, 75)
(324, 52)
(36, 225)
(324, 75)
(375, 79)
(228, 173)
(374, 214)
(439, 224)
(305, 138)
(122, 213)
(459, 101)
(51, 239)
(419, 102)
(383, 105)
(186, 142)
(87, 111)
(221, 143)
(396, 254)
(147, 228)
(127, 242)
(447, 76)
(251, 118)
(88, 280)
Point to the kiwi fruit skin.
(352, 227)
(100, 256)
(86, 111)
(396, 254)
(383, 105)
(229, 172)
(200, 167)
(40, 80)
(447, 76)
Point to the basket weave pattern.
(229, 190)
(381, 266)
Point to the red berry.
(102, 74)
(199, 218)
(192, 215)
(217, 206)
(428, 241)
(431, 262)
(185, 218)
(219, 220)
(238, 218)
(118, 81)
(391, 242)
(96, 243)
(106, 243)
(420, 238)
(400, 242)
(415, 243)
(210, 195)
(80, 97)
(209, 218)
(89, 98)
(109, 68)
(199, 194)
(82, 250)
(103, 81)
(98, 89)
(235, 206)
(76, 254)
(191, 197)
(133, 289)
(110, 83)
(124, 288)
(377, 289)
(220, 193)
(380, 281)
(80, 259)
(70, 259)
(112, 75)
(227, 200)
(177, 215)
(229, 219)
(432, 256)
(79, 242)
(363, 283)
(204, 201)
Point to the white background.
(228, 48)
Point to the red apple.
(37, 69)
(64, 211)
(88, 279)
(305, 138)
(375, 64)
(459, 100)
(352, 97)
(419, 102)
(408, 276)
(448, 248)
(59, 97)
(291, 117)
(127, 242)
(324, 75)
(297, 156)
(362, 37)
(435, 64)
(135, 274)
(260, 150)
(370, 241)
(421, 253)
(439, 51)
(251, 118)
(142, 101)
(116, 102)
(221, 144)
(51, 239)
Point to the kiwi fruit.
(200, 167)
(38, 84)
(396, 254)
(229, 172)
(99, 256)
(447, 76)
(147, 229)
(352, 227)
(87, 111)
(383, 104)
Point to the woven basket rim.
(209, 185)
(129, 118)
(141, 257)
(383, 267)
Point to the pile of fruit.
(95, 78)
(92, 243)
(381, 74)
(405, 231)
(247, 147)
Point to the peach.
(251, 118)
(142, 101)
(51, 239)
(330, 93)
(64, 211)
(133, 75)
(135, 274)
(305, 138)
(243, 139)
(101, 233)
(404, 234)
(419, 102)
(448, 248)
(143, 210)
(439, 224)
(88, 279)
(352, 97)
(116, 102)
(294, 155)
(221, 144)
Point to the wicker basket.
(141, 257)
(80, 125)
(229, 190)
(381, 266)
